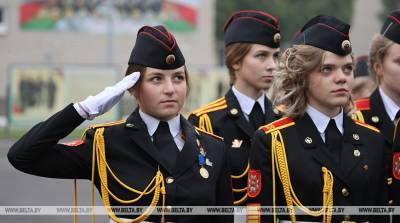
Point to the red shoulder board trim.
(74, 143)
(278, 124)
(253, 183)
(362, 104)
(396, 165)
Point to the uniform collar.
(246, 103)
(390, 106)
(152, 123)
(321, 121)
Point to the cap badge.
(170, 59)
(346, 45)
(277, 38)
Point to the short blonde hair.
(289, 89)
(377, 52)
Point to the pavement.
(20, 189)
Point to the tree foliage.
(388, 6)
(292, 14)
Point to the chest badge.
(204, 173)
(203, 160)
(236, 143)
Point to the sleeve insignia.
(74, 143)
(396, 165)
(253, 183)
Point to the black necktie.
(164, 142)
(333, 139)
(396, 118)
(256, 116)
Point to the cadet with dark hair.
(251, 52)
(153, 158)
(316, 155)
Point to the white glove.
(99, 104)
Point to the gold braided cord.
(236, 190)
(158, 188)
(242, 174)
(241, 200)
(205, 123)
(358, 116)
(141, 193)
(102, 156)
(280, 161)
(239, 190)
(273, 179)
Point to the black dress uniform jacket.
(229, 122)
(372, 111)
(133, 158)
(357, 181)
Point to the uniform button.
(345, 192)
(390, 202)
(346, 218)
(365, 167)
(169, 180)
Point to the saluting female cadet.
(155, 157)
(382, 108)
(251, 54)
(316, 155)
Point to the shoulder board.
(362, 104)
(213, 106)
(102, 125)
(278, 124)
(203, 131)
(107, 124)
(366, 126)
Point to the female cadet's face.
(257, 68)
(162, 93)
(389, 70)
(328, 87)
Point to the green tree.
(388, 6)
(292, 14)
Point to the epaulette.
(213, 106)
(366, 126)
(362, 104)
(208, 133)
(278, 124)
(103, 125)
(107, 124)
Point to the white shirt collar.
(246, 103)
(321, 121)
(390, 106)
(152, 124)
